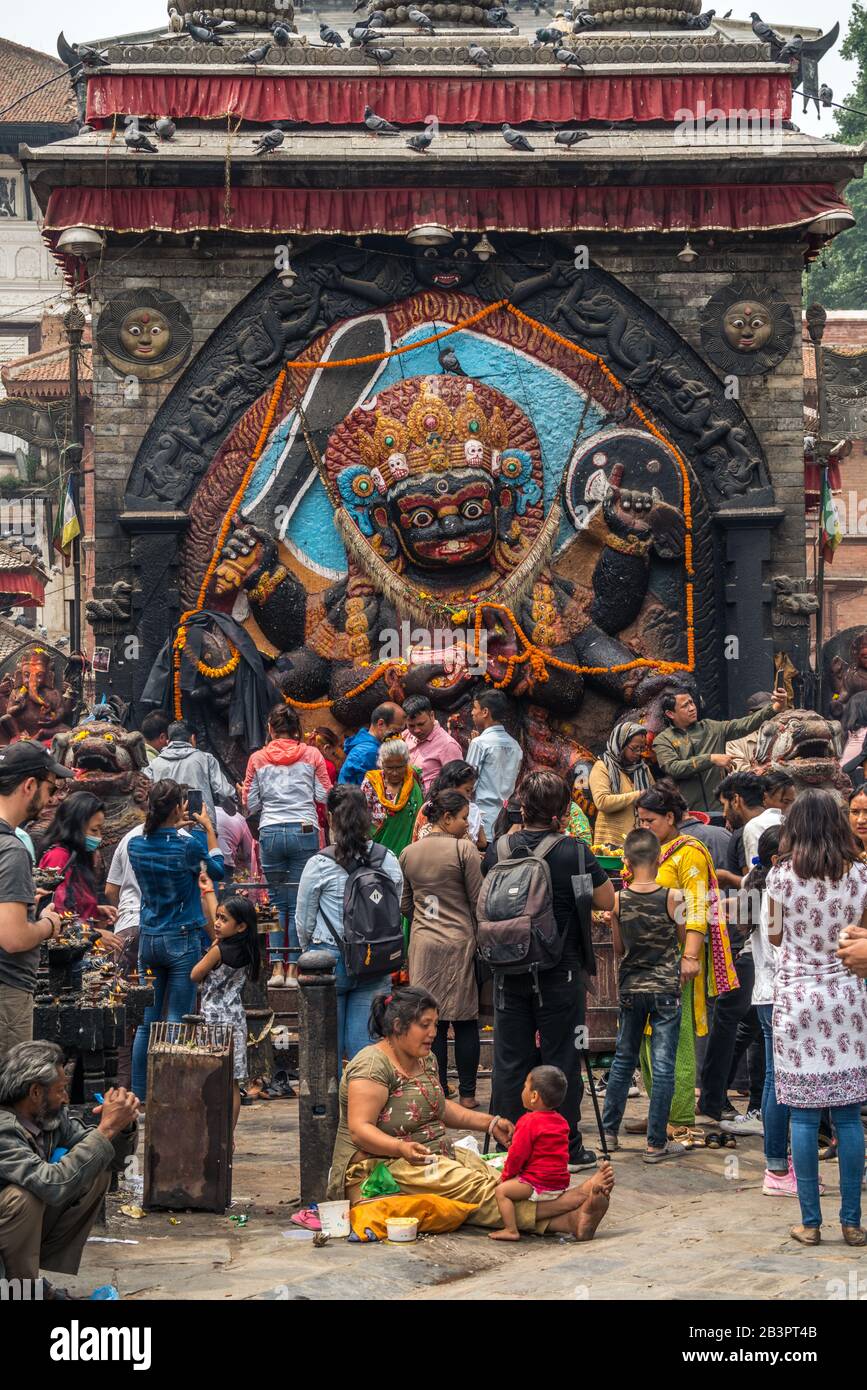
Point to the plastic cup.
(335, 1219)
(401, 1229)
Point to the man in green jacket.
(692, 750)
(47, 1208)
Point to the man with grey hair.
(54, 1170)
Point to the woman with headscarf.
(617, 781)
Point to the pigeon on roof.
(378, 124)
(480, 56)
(514, 138)
(256, 55)
(268, 141)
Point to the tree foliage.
(838, 279)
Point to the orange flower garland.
(375, 779)
(538, 659)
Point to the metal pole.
(318, 1104)
(73, 322)
(816, 319)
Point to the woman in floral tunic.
(816, 891)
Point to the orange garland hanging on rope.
(538, 659)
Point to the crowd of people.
(740, 926)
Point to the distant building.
(29, 276)
(846, 577)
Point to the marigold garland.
(538, 659)
(377, 781)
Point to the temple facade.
(444, 359)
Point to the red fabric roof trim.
(750, 207)
(26, 590)
(336, 100)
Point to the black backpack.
(372, 941)
(517, 929)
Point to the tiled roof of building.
(14, 556)
(45, 375)
(23, 70)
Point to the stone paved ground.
(695, 1229)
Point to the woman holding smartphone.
(167, 862)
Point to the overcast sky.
(38, 23)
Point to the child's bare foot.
(602, 1180)
(504, 1235)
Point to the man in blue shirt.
(494, 754)
(362, 749)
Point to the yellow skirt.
(464, 1178)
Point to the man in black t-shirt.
(28, 776)
(555, 1009)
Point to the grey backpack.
(517, 930)
(372, 941)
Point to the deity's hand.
(645, 516)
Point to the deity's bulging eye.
(472, 511)
(461, 254)
(135, 330)
(430, 254)
(422, 517)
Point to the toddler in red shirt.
(536, 1164)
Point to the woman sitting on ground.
(393, 1110)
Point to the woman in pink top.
(71, 843)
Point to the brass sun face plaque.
(145, 333)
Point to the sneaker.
(278, 979)
(634, 1090)
(784, 1184)
(750, 1123)
(728, 1111)
(612, 1143)
(585, 1159)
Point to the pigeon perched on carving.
(571, 137)
(568, 59)
(201, 34)
(256, 55)
(420, 19)
(379, 55)
(449, 362)
(480, 56)
(330, 36)
(165, 128)
(700, 21)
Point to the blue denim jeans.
(663, 1011)
(285, 849)
(846, 1120)
(774, 1115)
(170, 955)
(354, 998)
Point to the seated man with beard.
(47, 1208)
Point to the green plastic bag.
(380, 1183)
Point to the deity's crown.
(433, 438)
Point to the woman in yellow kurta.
(707, 959)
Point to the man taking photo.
(28, 778)
(692, 750)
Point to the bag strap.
(542, 850)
